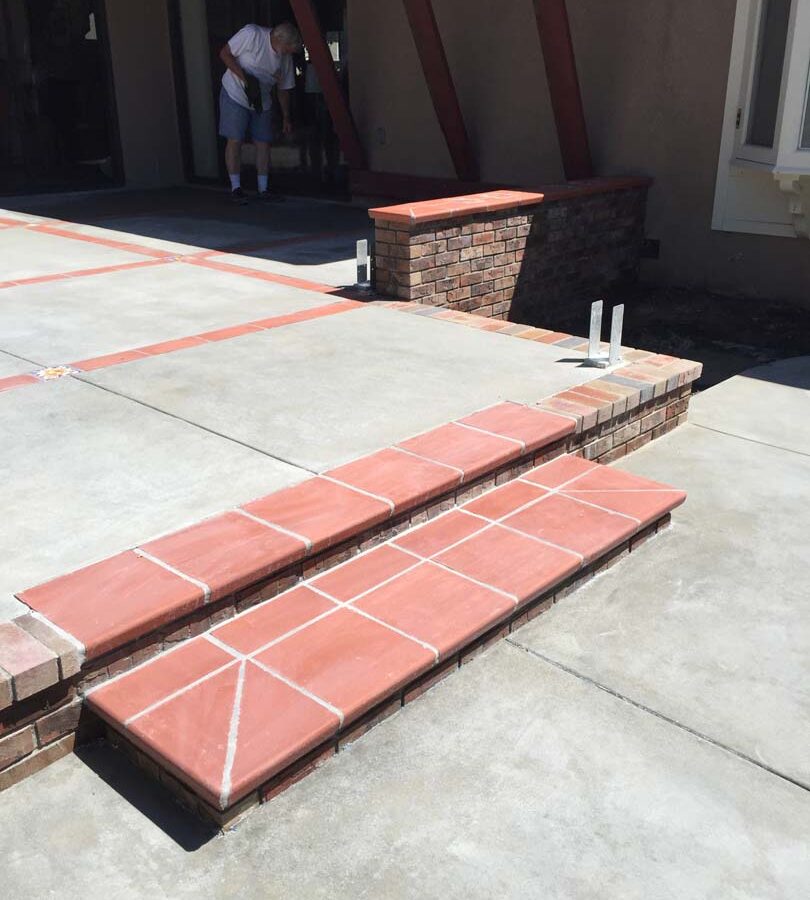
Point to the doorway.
(57, 119)
(309, 162)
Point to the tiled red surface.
(364, 572)
(227, 552)
(560, 471)
(449, 207)
(505, 499)
(320, 510)
(109, 603)
(265, 724)
(269, 621)
(470, 451)
(573, 525)
(510, 562)
(403, 479)
(431, 538)
(132, 693)
(437, 606)
(623, 492)
(12, 381)
(103, 241)
(171, 346)
(304, 315)
(348, 660)
(533, 427)
(111, 359)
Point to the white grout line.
(352, 487)
(503, 437)
(293, 534)
(405, 634)
(178, 693)
(605, 509)
(233, 734)
(434, 461)
(533, 537)
(164, 565)
(301, 690)
(334, 599)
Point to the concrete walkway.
(646, 738)
(206, 377)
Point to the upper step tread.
(260, 691)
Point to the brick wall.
(531, 262)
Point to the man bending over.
(256, 58)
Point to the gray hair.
(289, 36)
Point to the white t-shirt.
(252, 49)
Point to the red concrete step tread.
(108, 604)
(230, 709)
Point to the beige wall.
(144, 92)
(653, 75)
(489, 55)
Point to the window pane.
(768, 78)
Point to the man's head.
(286, 39)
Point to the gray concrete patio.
(646, 738)
(103, 460)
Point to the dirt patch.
(726, 334)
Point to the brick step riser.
(41, 728)
(352, 731)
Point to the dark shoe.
(271, 197)
(239, 197)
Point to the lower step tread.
(228, 710)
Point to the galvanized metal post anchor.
(595, 355)
(363, 273)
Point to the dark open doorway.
(57, 118)
(310, 161)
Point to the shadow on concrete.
(151, 799)
(794, 372)
(204, 217)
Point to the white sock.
(263, 179)
(236, 181)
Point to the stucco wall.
(498, 70)
(144, 92)
(653, 77)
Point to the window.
(765, 149)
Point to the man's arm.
(232, 63)
(284, 103)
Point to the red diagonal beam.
(563, 85)
(440, 84)
(336, 102)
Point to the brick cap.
(491, 201)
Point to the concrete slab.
(324, 392)
(86, 474)
(709, 625)
(769, 403)
(511, 779)
(28, 254)
(11, 365)
(79, 318)
(327, 261)
(183, 234)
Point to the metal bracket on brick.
(596, 357)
